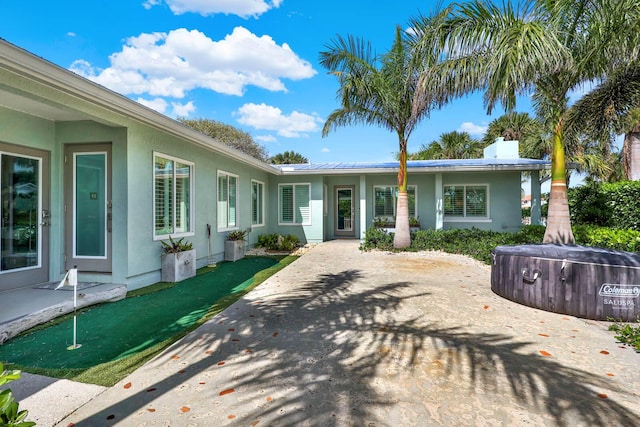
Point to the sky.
(252, 64)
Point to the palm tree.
(546, 47)
(288, 158)
(610, 109)
(451, 145)
(380, 90)
(521, 127)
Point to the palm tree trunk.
(631, 153)
(402, 238)
(558, 219)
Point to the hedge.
(615, 205)
(480, 243)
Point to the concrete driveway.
(342, 338)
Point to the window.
(294, 204)
(257, 203)
(385, 201)
(466, 201)
(173, 185)
(227, 201)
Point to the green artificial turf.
(137, 326)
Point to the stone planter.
(178, 266)
(234, 250)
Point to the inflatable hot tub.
(582, 281)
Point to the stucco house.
(92, 179)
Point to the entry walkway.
(342, 337)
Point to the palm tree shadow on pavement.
(338, 350)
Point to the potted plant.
(178, 260)
(234, 246)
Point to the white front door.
(24, 214)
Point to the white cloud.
(265, 138)
(243, 8)
(325, 150)
(472, 129)
(266, 117)
(158, 104)
(148, 4)
(183, 110)
(71, 34)
(171, 64)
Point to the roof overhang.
(26, 65)
(440, 166)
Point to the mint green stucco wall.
(504, 200)
(143, 141)
(312, 233)
(135, 252)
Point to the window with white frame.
(172, 204)
(385, 201)
(227, 201)
(466, 201)
(294, 204)
(257, 203)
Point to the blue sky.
(250, 63)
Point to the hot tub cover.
(573, 253)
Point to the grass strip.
(109, 373)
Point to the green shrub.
(289, 242)
(588, 205)
(10, 415)
(267, 241)
(615, 205)
(480, 243)
(276, 242)
(377, 238)
(627, 334)
(604, 237)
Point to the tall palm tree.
(380, 90)
(546, 47)
(610, 109)
(451, 145)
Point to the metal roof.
(457, 165)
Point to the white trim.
(192, 204)
(237, 177)
(465, 218)
(262, 205)
(294, 184)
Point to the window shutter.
(233, 188)
(411, 196)
(476, 198)
(303, 209)
(454, 201)
(286, 203)
(222, 201)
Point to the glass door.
(344, 211)
(88, 207)
(24, 215)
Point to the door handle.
(45, 217)
(109, 216)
